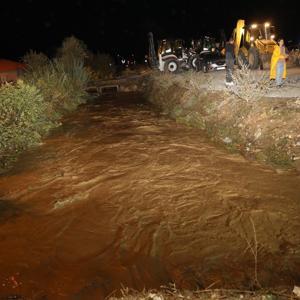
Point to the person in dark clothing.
(229, 58)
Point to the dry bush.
(188, 86)
(72, 49)
(250, 85)
(171, 292)
(165, 80)
(196, 82)
(35, 60)
(63, 87)
(294, 57)
(62, 80)
(192, 81)
(102, 64)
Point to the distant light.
(253, 26)
(252, 38)
(272, 36)
(168, 50)
(267, 24)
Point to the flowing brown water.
(119, 194)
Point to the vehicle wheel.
(198, 65)
(192, 62)
(265, 61)
(253, 58)
(171, 66)
(195, 62)
(242, 60)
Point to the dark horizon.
(121, 26)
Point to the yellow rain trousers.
(275, 57)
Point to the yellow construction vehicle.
(254, 44)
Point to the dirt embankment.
(266, 128)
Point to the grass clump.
(62, 86)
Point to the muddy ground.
(122, 195)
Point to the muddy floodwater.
(122, 195)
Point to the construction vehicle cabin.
(254, 44)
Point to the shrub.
(294, 57)
(63, 80)
(35, 61)
(103, 64)
(250, 85)
(72, 49)
(49, 89)
(62, 87)
(23, 119)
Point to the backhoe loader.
(174, 55)
(254, 44)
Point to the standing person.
(278, 63)
(229, 57)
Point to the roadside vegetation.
(243, 118)
(48, 89)
(172, 293)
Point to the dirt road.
(120, 194)
(290, 89)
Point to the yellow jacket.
(275, 57)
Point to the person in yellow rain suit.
(278, 63)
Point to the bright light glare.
(253, 26)
(252, 38)
(272, 36)
(267, 24)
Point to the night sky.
(121, 26)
